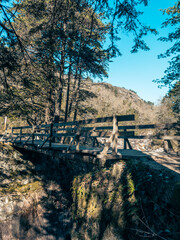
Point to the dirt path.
(162, 160)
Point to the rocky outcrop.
(31, 202)
(79, 200)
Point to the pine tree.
(172, 73)
(53, 45)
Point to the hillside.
(105, 99)
(102, 100)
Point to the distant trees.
(172, 101)
(172, 73)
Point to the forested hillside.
(49, 50)
(106, 99)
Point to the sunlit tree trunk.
(77, 96)
(68, 91)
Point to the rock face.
(125, 201)
(98, 208)
(19, 192)
(31, 203)
(78, 200)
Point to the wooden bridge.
(94, 137)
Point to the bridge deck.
(95, 151)
(83, 137)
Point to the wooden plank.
(64, 124)
(64, 134)
(105, 119)
(41, 134)
(126, 134)
(150, 126)
(108, 134)
(155, 137)
(141, 137)
(98, 120)
(23, 134)
(97, 128)
(23, 127)
(171, 138)
(126, 118)
(44, 125)
(86, 129)
(103, 128)
(66, 129)
(146, 126)
(45, 141)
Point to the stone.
(6, 181)
(25, 181)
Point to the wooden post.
(20, 133)
(5, 123)
(56, 120)
(129, 145)
(125, 145)
(77, 144)
(94, 142)
(33, 129)
(51, 135)
(78, 134)
(166, 147)
(115, 135)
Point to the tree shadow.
(83, 201)
(156, 214)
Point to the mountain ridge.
(107, 99)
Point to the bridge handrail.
(47, 132)
(130, 117)
(100, 120)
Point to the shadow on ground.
(123, 200)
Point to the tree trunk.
(77, 96)
(73, 97)
(68, 89)
(59, 92)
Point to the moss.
(18, 188)
(30, 187)
(131, 186)
(95, 191)
(94, 208)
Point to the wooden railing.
(71, 133)
(79, 133)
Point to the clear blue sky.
(136, 71)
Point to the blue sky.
(136, 71)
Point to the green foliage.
(173, 100)
(48, 47)
(133, 91)
(172, 73)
